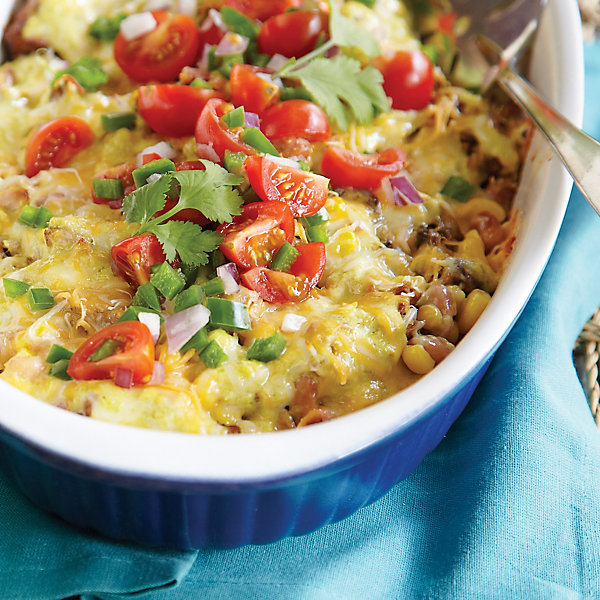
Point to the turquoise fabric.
(508, 505)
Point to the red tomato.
(310, 263)
(304, 275)
(295, 286)
(262, 9)
(365, 171)
(134, 256)
(407, 79)
(250, 90)
(295, 118)
(276, 287)
(292, 34)
(189, 165)
(305, 193)
(122, 172)
(134, 351)
(55, 143)
(150, 157)
(211, 131)
(253, 237)
(161, 54)
(171, 109)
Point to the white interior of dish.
(557, 70)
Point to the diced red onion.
(181, 326)
(231, 43)
(163, 149)
(202, 64)
(123, 377)
(158, 374)
(137, 25)
(332, 52)
(152, 322)
(208, 152)
(292, 322)
(276, 62)
(230, 277)
(251, 119)
(404, 191)
(187, 7)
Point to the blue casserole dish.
(184, 491)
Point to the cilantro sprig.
(211, 191)
(343, 89)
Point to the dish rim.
(138, 453)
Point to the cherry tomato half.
(305, 193)
(296, 119)
(365, 171)
(295, 286)
(55, 143)
(262, 9)
(171, 109)
(122, 172)
(211, 131)
(134, 256)
(161, 54)
(292, 34)
(407, 79)
(253, 237)
(250, 90)
(310, 263)
(134, 351)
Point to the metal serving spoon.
(496, 32)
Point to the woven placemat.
(587, 362)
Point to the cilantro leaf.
(340, 86)
(141, 204)
(87, 71)
(188, 240)
(210, 191)
(346, 32)
(370, 80)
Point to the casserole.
(176, 490)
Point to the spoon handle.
(578, 151)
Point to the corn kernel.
(454, 333)
(346, 243)
(471, 309)
(431, 315)
(336, 208)
(417, 359)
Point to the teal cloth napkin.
(507, 506)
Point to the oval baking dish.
(186, 491)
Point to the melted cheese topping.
(389, 268)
